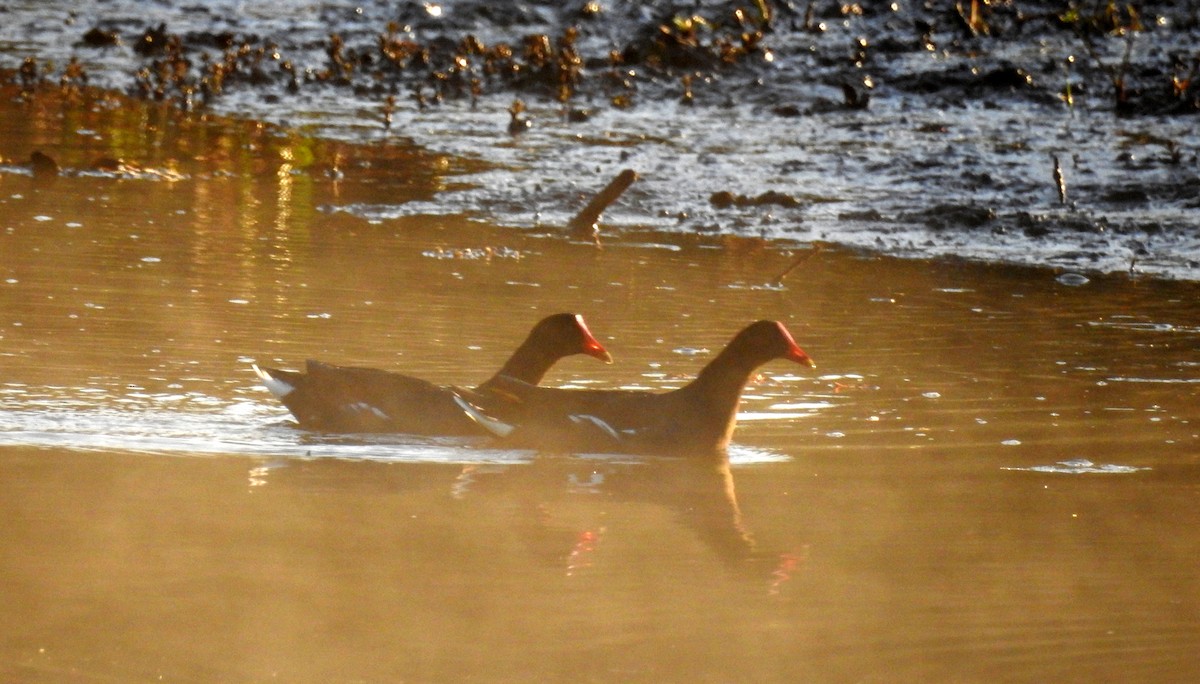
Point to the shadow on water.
(991, 475)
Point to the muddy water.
(992, 475)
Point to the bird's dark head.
(768, 340)
(567, 333)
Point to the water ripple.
(233, 428)
(1079, 466)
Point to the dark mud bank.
(1044, 133)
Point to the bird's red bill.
(592, 346)
(795, 353)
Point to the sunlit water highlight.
(196, 425)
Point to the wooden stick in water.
(584, 223)
(804, 256)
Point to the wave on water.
(160, 425)
(1080, 466)
(241, 427)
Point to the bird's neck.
(527, 364)
(718, 389)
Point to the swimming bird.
(695, 419)
(335, 398)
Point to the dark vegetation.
(1135, 58)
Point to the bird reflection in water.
(699, 491)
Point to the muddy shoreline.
(1032, 133)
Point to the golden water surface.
(991, 476)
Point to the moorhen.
(695, 419)
(353, 399)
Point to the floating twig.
(803, 258)
(1060, 182)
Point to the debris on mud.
(724, 199)
(42, 165)
(585, 223)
